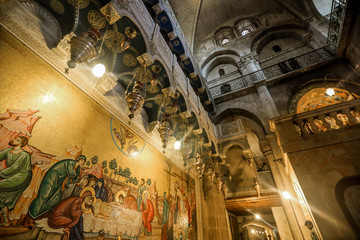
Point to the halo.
(83, 207)
(121, 192)
(90, 189)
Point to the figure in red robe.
(147, 210)
(67, 214)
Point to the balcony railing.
(271, 72)
(328, 119)
(330, 125)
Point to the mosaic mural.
(316, 98)
(65, 174)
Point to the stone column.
(282, 223)
(279, 179)
(266, 100)
(251, 62)
(242, 67)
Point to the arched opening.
(347, 193)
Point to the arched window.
(276, 48)
(244, 32)
(224, 36)
(245, 26)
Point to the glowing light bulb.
(257, 216)
(253, 231)
(98, 70)
(286, 195)
(177, 145)
(330, 92)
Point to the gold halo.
(88, 188)
(83, 207)
(121, 192)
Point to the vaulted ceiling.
(200, 18)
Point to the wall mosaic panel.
(70, 170)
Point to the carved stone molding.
(106, 83)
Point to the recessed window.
(245, 26)
(221, 72)
(244, 32)
(276, 48)
(224, 36)
(224, 41)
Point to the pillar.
(280, 179)
(282, 223)
(266, 100)
(251, 64)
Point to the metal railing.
(271, 72)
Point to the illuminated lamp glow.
(177, 145)
(98, 70)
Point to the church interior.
(180, 120)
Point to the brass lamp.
(164, 130)
(83, 47)
(135, 99)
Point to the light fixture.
(257, 216)
(83, 47)
(167, 109)
(286, 195)
(330, 92)
(99, 70)
(253, 231)
(177, 145)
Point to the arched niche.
(261, 37)
(249, 120)
(228, 53)
(47, 24)
(224, 35)
(347, 193)
(228, 65)
(313, 95)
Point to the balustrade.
(271, 72)
(333, 119)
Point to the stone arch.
(218, 61)
(255, 123)
(282, 31)
(347, 192)
(320, 83)
(229, 53)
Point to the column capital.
(250, 58)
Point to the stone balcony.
(234, 86)
(325, 126)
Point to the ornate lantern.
(83, 47)
(164, 130)
(135, 99)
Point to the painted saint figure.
(51, 185)
(147, 210)
(16, 177)
(67, 214)
(73, 189)
(141, 189)
(100, 191)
